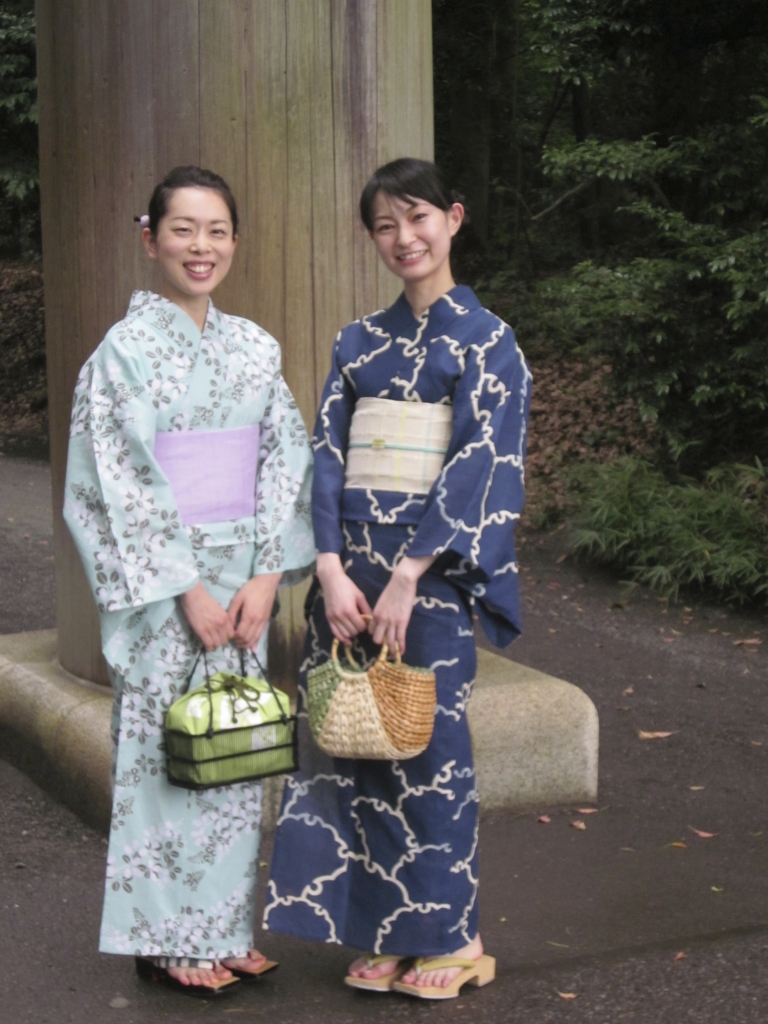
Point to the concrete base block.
(55, 727)
(535, 737)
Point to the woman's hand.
(345, 604)
(251, 608)
(206, 617)
(393, 609)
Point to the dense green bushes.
(19, 175)
(686, 331)
(711, 534)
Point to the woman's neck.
(195, 306)
(422, 294)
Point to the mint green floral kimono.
(182, 865)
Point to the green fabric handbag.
(235, 728)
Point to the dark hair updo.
(188, 177)
(407, 179)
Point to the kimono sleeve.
(284, 540)
(474, 504)
(118, 504)
(330, 442)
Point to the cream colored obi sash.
(397, 446)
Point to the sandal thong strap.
(436, 963)
(383, 958)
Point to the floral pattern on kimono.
(181, 865)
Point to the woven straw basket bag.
(383, 713)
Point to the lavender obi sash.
(212, 473)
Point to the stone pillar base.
(535, 737)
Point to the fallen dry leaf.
(756, 743)
(560, 945)
(679, 845)
(654, 735)
(629, 689)
(716, 889)
(702, 835)
(544, 819)
(579, 825)
(628, 849)
(753, 642)
(679, 956)
(586, 810)
(695, 789)
(566, 995)
(668, 639)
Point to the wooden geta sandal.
(148, 970)
(474, 972)
(386, 981)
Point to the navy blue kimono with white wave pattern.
(382, 855)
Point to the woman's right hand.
(345, 604)
(212, 623)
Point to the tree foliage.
(19, 175)
(627, 201)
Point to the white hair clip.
(142, 221)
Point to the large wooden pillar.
(294, 102)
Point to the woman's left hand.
(393, 609)
(251, 608)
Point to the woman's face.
(413, 237)
(194, 244)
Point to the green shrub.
(681, 314)
(19, 173)
(710, 535)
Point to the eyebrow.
(408, 200)
(191, 220)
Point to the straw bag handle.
(383, 653)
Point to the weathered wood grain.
(295, 103)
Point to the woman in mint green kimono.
(187, 494)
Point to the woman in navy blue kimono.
(382, 855)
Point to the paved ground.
(601, 913)
(26, 546)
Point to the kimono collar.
(399, 318)
(167, 318)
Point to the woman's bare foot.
(251, 964)
(443, 977)
(360, 968)
(206, 976)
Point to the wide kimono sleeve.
(475, 503)
(330, 441)
(118, 504)
(284, 540)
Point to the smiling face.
(413, 238)
(194, 246)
